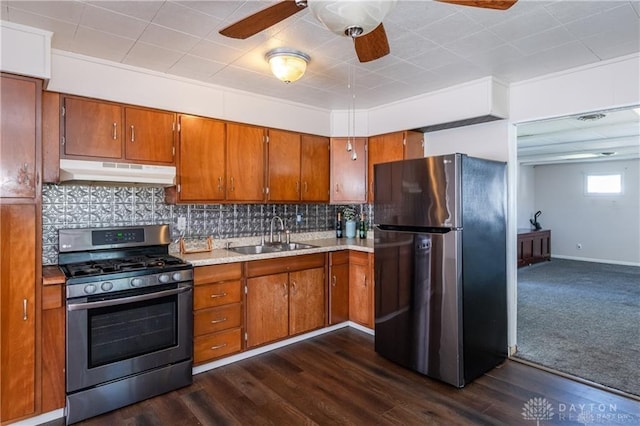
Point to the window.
(604, 184)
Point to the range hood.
(111, 172)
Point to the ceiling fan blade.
(487, 4)
(259, 21)
(373, 45)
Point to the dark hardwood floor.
(337, 378)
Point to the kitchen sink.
(271, 248)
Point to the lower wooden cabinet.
(285, 296)
(338, 287)
(18, 305)
(361, 288)
(217, 311)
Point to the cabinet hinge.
(179, 188)
(266, 190)
(246, 289)
(173, 149)
(404, 141)
(246, 337)
(179, 127)
(64, 111)
(173, 126)
(266, 138)
(62, 140)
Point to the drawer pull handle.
(213, 348)
(24, 310)
(215, 296)
(218, 321)
(115, 131)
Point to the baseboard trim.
(589, 259)
(41, 418)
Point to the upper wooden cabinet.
(392, 147)
(348, 176)
(20, 138)
(97, 130)
(245, 163)
(201, 159)
(298, 167)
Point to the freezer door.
(423, 192)
(418, 321)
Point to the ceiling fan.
(360, 20)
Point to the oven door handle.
(124, 300)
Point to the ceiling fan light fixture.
(351, 17)
(288, 65)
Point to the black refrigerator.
(440, 265)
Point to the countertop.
(322, 245)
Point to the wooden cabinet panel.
(19, 136)
(267, 308)
(50, 137)
(383, 149)
(348, 176)
(245, 163)
(149, 135)
(306, 300)
(314, 168)
(201, 159)
(339, 292)
(18, 310)
(217, 273)
(53, 347)
(212, 346)
(284, 166)
(360, 289)
(284, 264)
(414, 145)
(207, 321)
(210, 295)
(92, 128)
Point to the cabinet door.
(413, 144)
(267, 308)
(339, 293)
(245, 162)
(360, 290)
(314, 168)
(383, 149)
(149, 135)
(348, 176)
(17, 299)
(284, 166)
(307, 304)
(19, 142)
(201, 160)
(92, 128)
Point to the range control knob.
(177, 276)
(163, 278)
(90, 288)
(106, 286)
(136, 282)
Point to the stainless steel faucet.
(271, 229)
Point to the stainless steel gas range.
(129, 317)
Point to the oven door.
(115, 336)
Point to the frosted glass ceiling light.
(287, 65)
(351, 17)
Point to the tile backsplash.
(88, 206)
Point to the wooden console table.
(533, 246)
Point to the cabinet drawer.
(284, 264)
(207, 321)
(216, 273)
(210, 295)
(213, 346)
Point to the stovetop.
(150, 263)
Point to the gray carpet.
(582, 318)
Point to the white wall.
(607, 227)
(526, 196)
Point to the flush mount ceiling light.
(286, 64)
(352, 18)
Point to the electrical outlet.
(579, 246)
(182, 223)
(299, 218)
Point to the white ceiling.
(433, 46)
